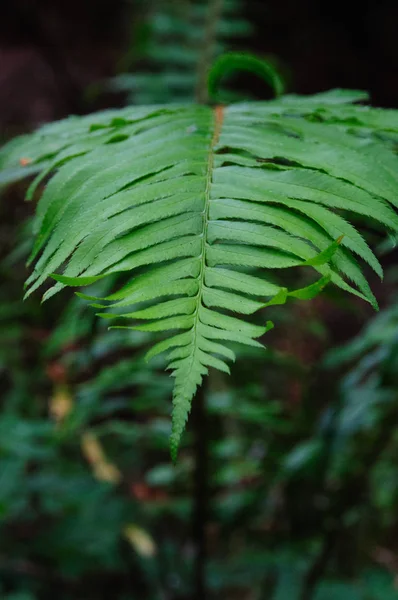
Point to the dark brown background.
(52, 50)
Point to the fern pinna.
(197, 206)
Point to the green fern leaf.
(194, 207)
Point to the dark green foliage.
(302, 451)
(58, 518)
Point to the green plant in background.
(192, 199)
(170, 42)
(272, 467)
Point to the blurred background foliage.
(303, 443)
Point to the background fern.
(173, 43)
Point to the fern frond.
(198, 206)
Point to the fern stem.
(208, 50)
(200, 498)
(193, 358)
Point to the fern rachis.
(200, 205)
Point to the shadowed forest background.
(300, 490)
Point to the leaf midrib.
(218, 115)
